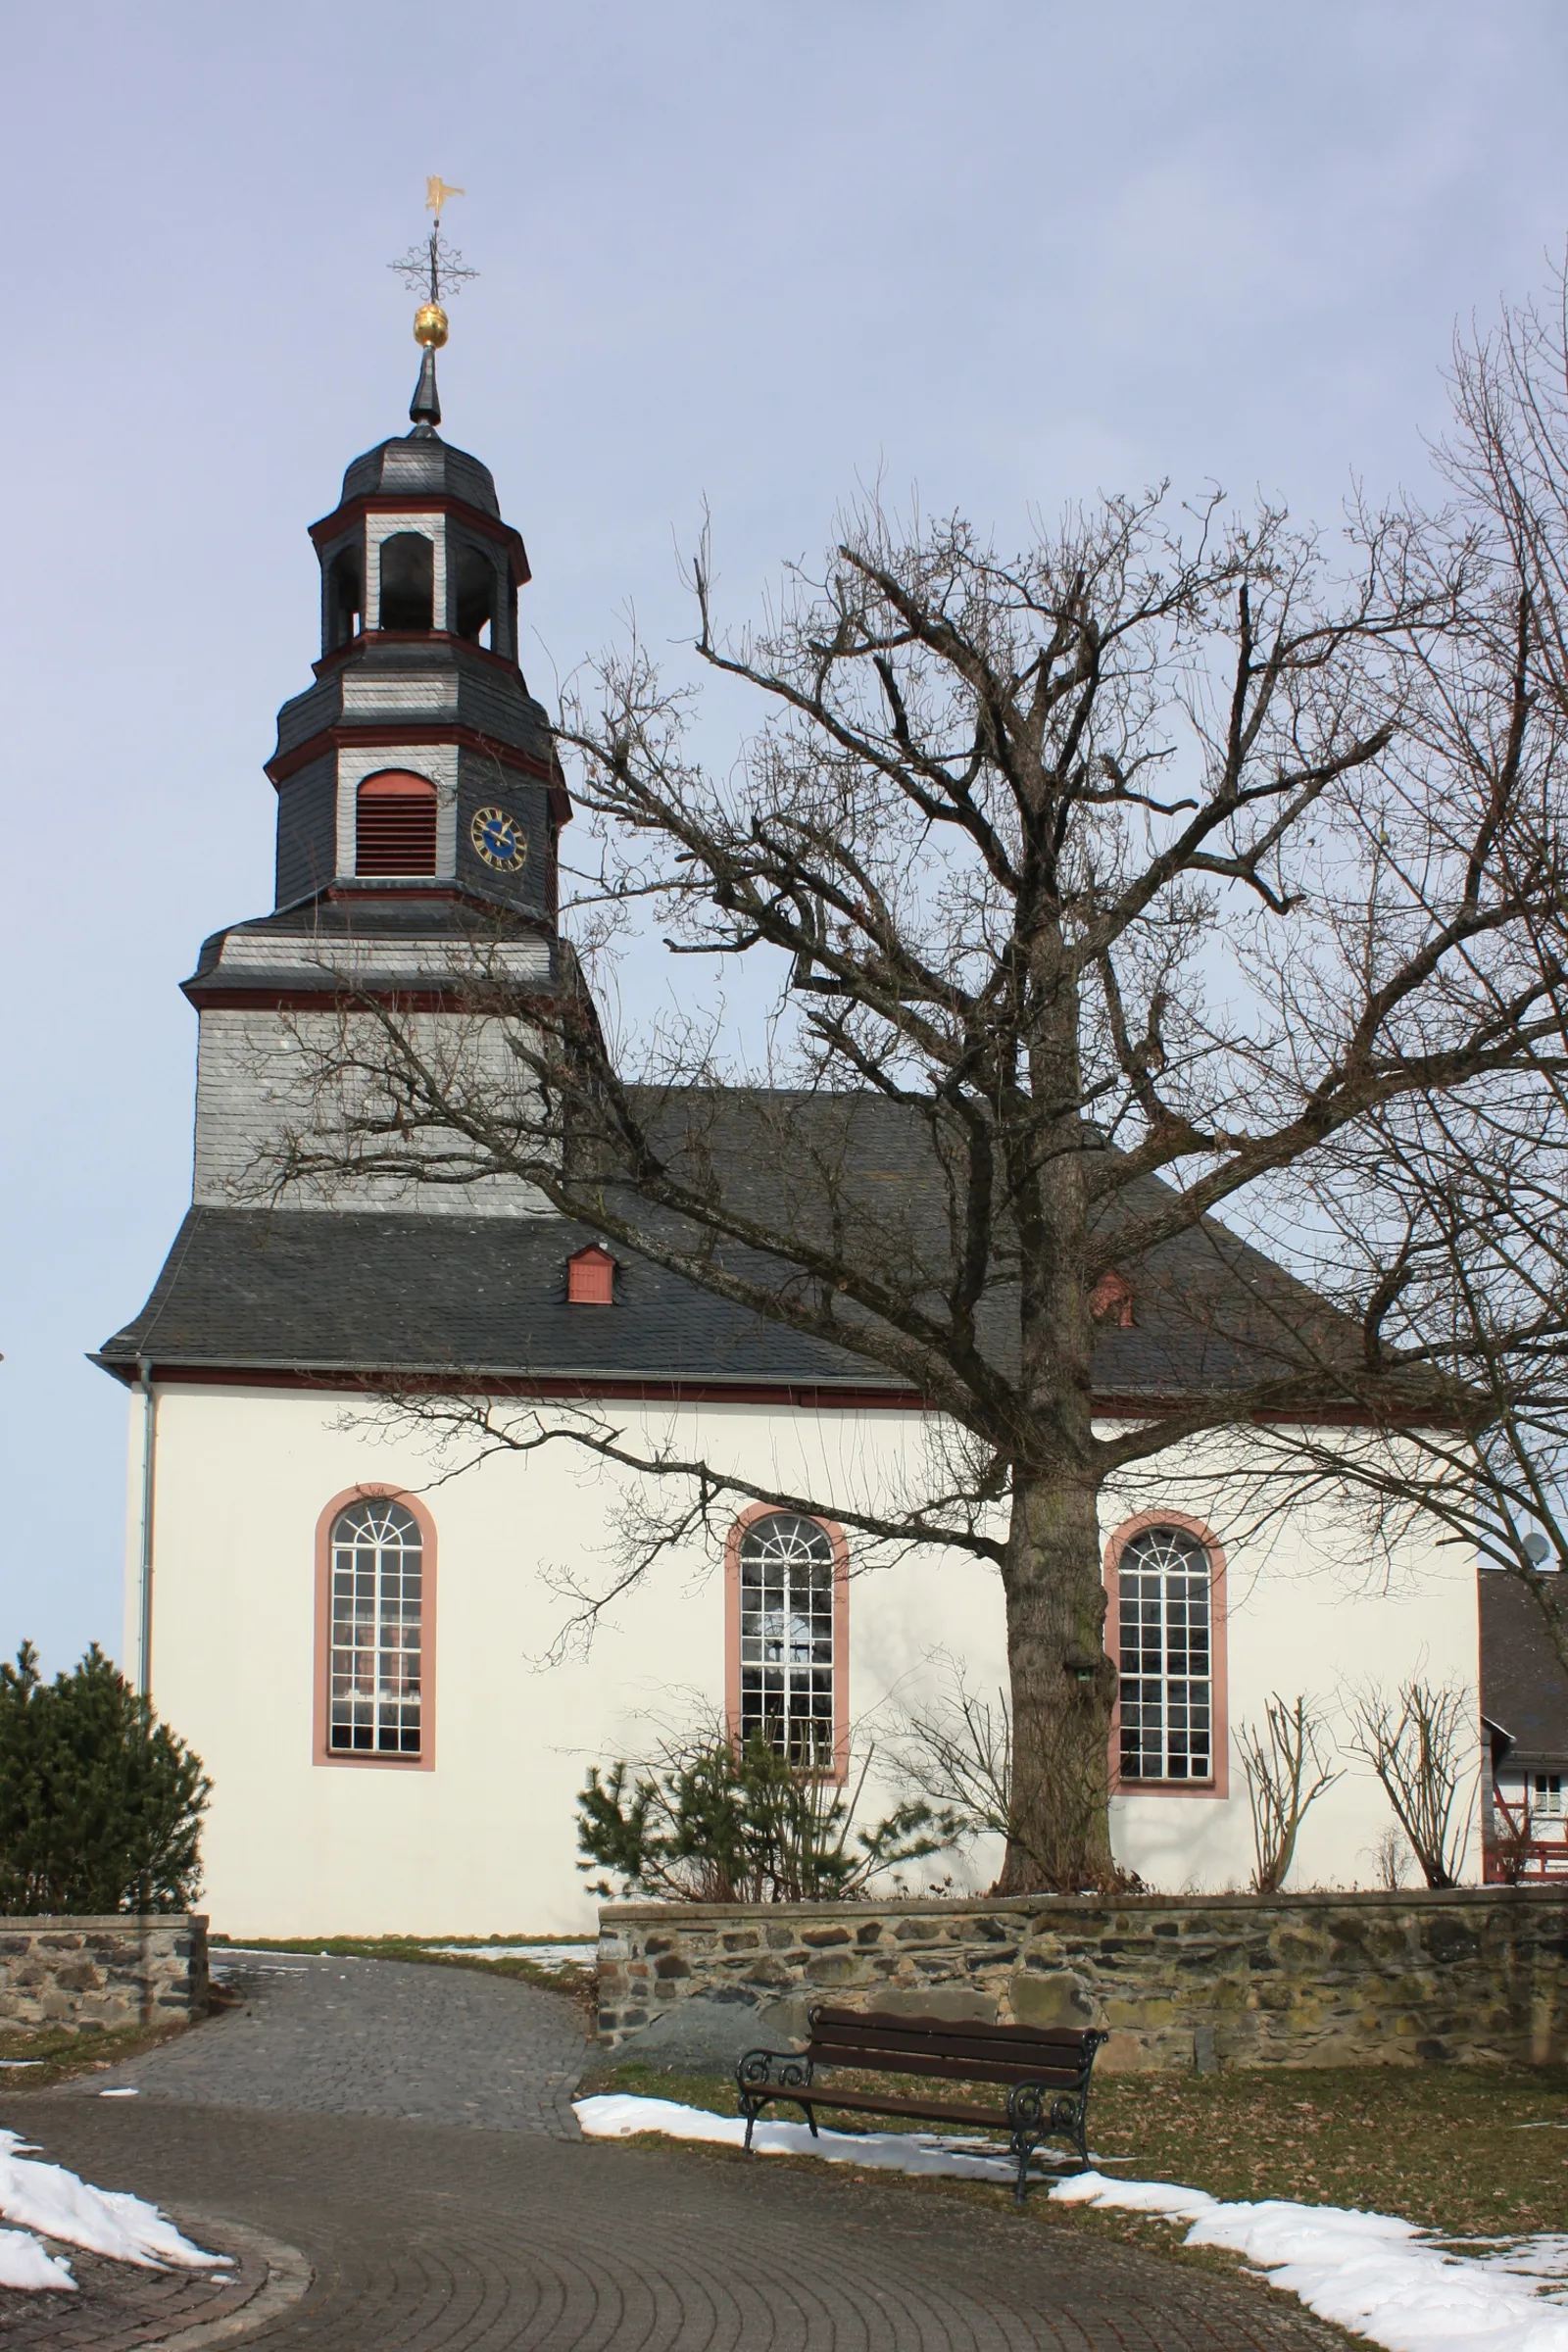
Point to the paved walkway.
(388, 2130)
(390, 2037)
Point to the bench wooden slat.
(847, 2046)
(954, 2070)
(886, 2025)
(935, 2111)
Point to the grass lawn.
(580, 1984)
(53, 2055)
(1473, 2151)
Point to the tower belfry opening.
(408, 581)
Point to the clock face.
(499, 840)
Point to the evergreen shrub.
(712, 1822)
(100, 1803)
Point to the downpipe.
(144, 1568)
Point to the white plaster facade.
(485, 1841)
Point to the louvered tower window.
(394, 826)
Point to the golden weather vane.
(434, 269)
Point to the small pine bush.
(716, 1822)
(100, 1803)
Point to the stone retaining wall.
(1294, 1980)
(87, 1975)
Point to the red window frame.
(1218, 1784)
(363, 1760)
(839, 1770)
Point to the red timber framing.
(1513, 1853)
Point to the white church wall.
(485, 1841)
(1315, 1606)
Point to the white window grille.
(377, 1574)
(1166, 1658)
(1545, 1796)
(787, 1661)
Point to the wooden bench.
(1046, 2069)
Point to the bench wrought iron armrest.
(1037, 2112)
(764, 2076)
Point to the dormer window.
(1111, 1300)
(394, 824)
(591, 1278)
(408, 581)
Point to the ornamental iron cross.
(434, 267)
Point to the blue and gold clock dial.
(499, 840)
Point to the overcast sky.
(1004, 255)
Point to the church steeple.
(419, 764)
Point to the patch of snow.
(123, 2090)
(1371, 2272)
(542, 1955)
(1543, 2257)
(23, 2264)
(615, 2115)
(1403, 2287)
(45, 2197)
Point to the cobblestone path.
(442, 2203)
(390, 2037)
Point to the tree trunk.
(1063, 1689)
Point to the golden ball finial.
(430, 326)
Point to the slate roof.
(356, 1291)
(1524, 1688)
(376, 681)
(312, 1289)
(420, 462)
(367, 915)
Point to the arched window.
(376, 1630)
(790, 1629)
(1164, 1598)
(408, 581)
(394, 824)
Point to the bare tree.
(1285, 1773)
(1390, 1859)
(1440, 1219)
(1143, 875)
(1418, 1744)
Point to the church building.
(366, 1655)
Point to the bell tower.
(420, 798)
(418, 762)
